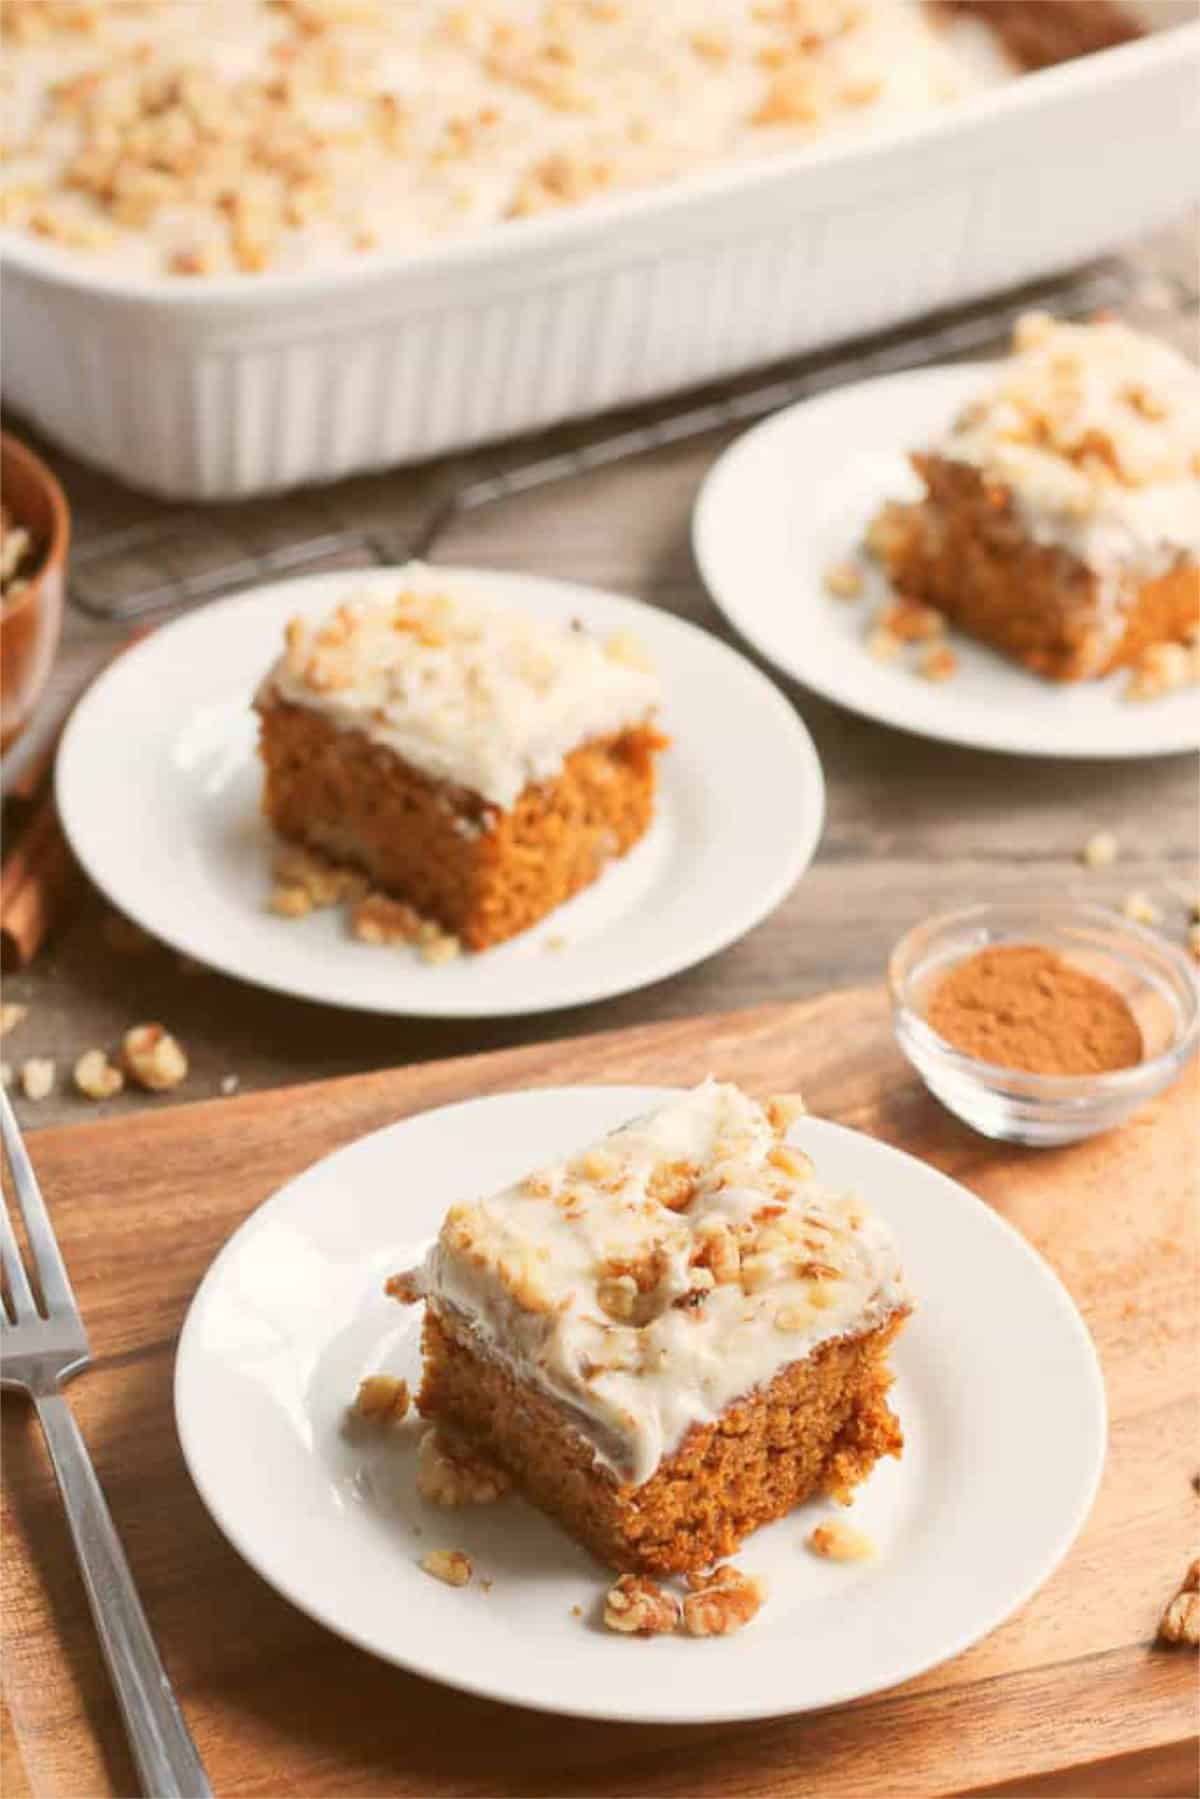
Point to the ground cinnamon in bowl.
(1018, 1005)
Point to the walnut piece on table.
(638, 1607)
(37, 1077)
(95, 1076)
(1180, 1622)
(722, 1602)
(154, 1058)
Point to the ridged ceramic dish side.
(237, 386)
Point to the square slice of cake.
(479, 764)
(1061, 522)
(669, 1338)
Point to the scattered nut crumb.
(438, 947)
(451, 1565)
(883, 645)
(95, 1075)
(1180, 1623)
(230, 1084)
(1141, 909)
(1100, 850)
(638, 1606)
(555, 943)
(722, 1602)
(290, 902)
(383, 1397)
(629, 650)
(378, 919)
(37, 1077)
(838, 1542)
(11, 1015)
(154, 1058)
(486, 1585)
(844, 580)
(451, 1475)
(938, 664)
(912, 621)
(577, 1611)
(1193, 941)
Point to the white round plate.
(996, 1376)
(158, 788)
(794, 496)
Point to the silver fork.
(42, 1349)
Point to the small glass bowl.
(1041, 1110)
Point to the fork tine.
(43, 1245)
(14, 1270)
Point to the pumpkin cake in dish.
(669, 1338)
(478, 764)
(1061, 520)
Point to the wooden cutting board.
(1070, 1696)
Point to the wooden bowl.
(30, 624)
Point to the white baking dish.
(244, 384)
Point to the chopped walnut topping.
(154, 1058)
(1141, 909)
(637, 1606)
(618, 1296)
(838, 1542)
(625, 648)
(383, 1398)
(95, 1075)
(793, 1318)
(791, 1161)
(782, 1111)
(938, 664)
(404, 1287)
(1180, 1622)
(37, 1077)
(450, 1565)
(11, 1015)
(449, 1474)
(844, 580)
(718, 1249)
(722, 1602)
(1100, 850)
(673, 1184)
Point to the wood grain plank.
(279, 1705)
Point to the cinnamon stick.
(40, 876)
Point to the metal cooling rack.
(101, 584)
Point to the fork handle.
(166, 1757)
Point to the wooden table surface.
(911, 825)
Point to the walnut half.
(722, 1602)
(637, 1606)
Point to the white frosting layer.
(643, 1318)
(464, 689)
(1095, 431)
(312, 132)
